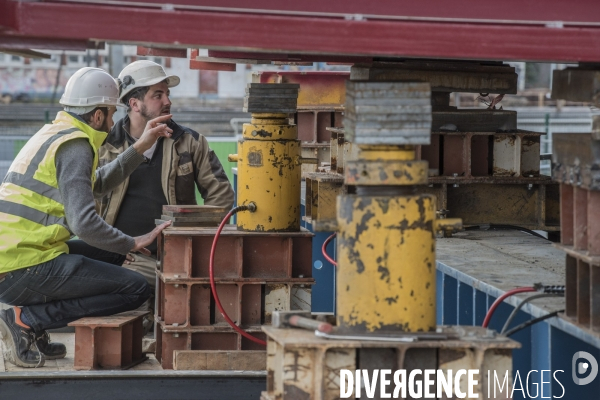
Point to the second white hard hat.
(143, 73)
(89, 88)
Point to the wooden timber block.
(215, 360)
(113, 342)
(192, 215)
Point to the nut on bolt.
(455, 175)
(252, 206)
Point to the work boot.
(51, 351)
(17, 342)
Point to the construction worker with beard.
(173, 169)
(46, 197)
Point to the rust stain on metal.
(255, 158)
(262, 133)
(502, 138)
(448, 356)
(497, 171)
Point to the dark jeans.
(88, 282)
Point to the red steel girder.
(161, 52)
(208, 65)
(291, 57)
(581, 12)
(308, 34)
(21, 42)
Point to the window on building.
(73, 59)
(16, 58)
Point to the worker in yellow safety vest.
(47, 197)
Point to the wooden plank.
(195, 218)
(195, 209)
(209, 214)
(233, 360)
(188, 224)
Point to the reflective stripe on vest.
(33, 227)
(39, 217)
(26, 180)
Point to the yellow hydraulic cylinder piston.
(269, 160)
(386, 230)
(269, 173)
(386, 244)
(386, 261)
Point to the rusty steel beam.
(209, 65)
(161, 52)
(302, 366)
(294, 33)
(483, 157)
(41, 43)
(24, 53)
(576, 160)
(443, 76)
(256, 273)
(247, 303)
(321, 193)
(577, 84)
(580, 239)
(184, 253)
(532, 207)
(290, 58)
(113, 342)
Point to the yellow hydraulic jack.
(386, 279)
(269, 174)
(386, 268)
(269, 161)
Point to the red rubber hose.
(324, 249)
(214, 287)
(500, 299)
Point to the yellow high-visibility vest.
(33, 228)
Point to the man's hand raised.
(142, 241)
(155, 128)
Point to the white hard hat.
(143, 73)
(89, 88)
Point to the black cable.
(531, 322)
(518, 308)
(504, 226)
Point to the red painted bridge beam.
(161, 52)
(580, 12)
(23, 42)
(310, 58)
(295, 34)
